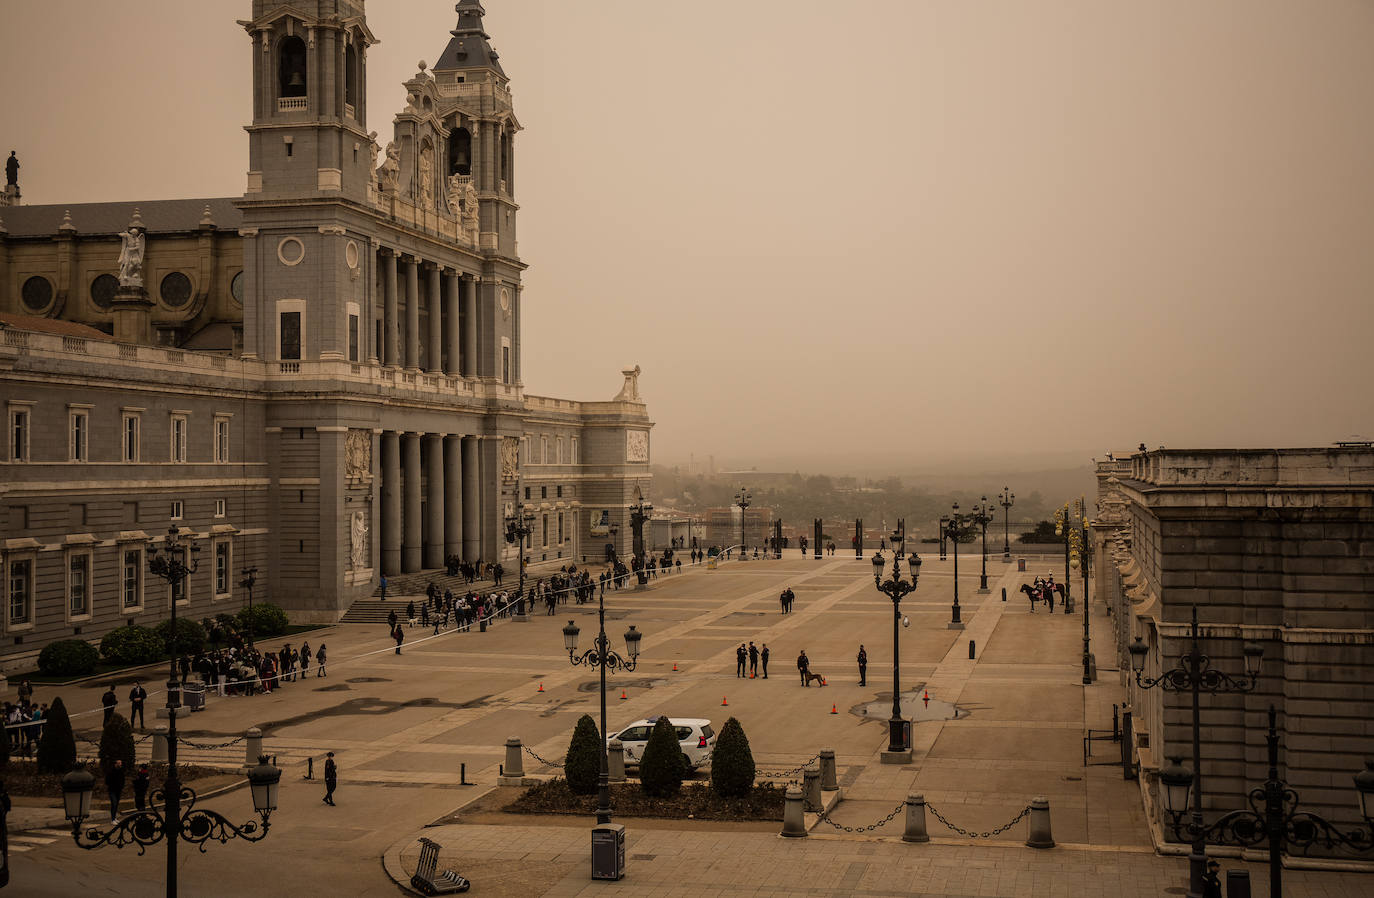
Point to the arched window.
(460, 152)
(351, 76)
(505, 156)
(291, 71)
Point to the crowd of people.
(24, 721)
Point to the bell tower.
(309, 132)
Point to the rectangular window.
(543, 450)
(290, 335)
(223, 565)
(19, 434)
(177, 452)
(527, 492)
(353, 338)
(560, 492)
(21, 591)
(221, 440)
(176, 510)
(129, 425)
(78, 584)
(219, 508)
(79, 442)
(573, 460)
(560, 527)
(544, 529)
(543, 492)
(132, 579)
(505, 364)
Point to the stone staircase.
(404, 588)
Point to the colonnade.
(451, 301)
(428, 517)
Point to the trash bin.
(193, 695)
(1021, 565)
(482, 624)
(608, 851)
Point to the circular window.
(103, 290)
(505, 300)
(351, 254)
(176, 290)
(37, 293)
(290, 251)
(236, 288)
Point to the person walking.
(391, 621)
(763, 656)
(114, 787)
(753, 660)
(331, 778)
(384, 585)
(863, 666)
(305, 660)
(319, 659)
(782, 601)
(137, 696)
(400, 636)
(110, 702)
(804, 667)
(741, 653)
(141, 779)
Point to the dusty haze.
(885, 229)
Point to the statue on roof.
(131, 253)
(390, 173)
(12, 170)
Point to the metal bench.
(429, 880)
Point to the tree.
(732, 763)
(117, 744)
(663, 766)
(582, 766)
(190, 639)
(57, 746)
(1041, 535)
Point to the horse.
(1031, 593)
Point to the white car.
(694, 735)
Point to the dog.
(814, 677)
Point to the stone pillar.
(793, 821)
(515, 335)
(453, 496)
(470, 327)
(515, 758)
(452, 336)
(391, 503)
(391, 311)
(828, 781)
(434, 468)
(133, 310)
(160, 743)
(472, 535)
(436, 323)
(915, 819)
(811, 788)
(1038, 825)
(413, 314)
(410, 538)
(615, 761)
(252, 745)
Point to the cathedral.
(319, 380)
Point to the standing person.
(391, 621)
(803, 667)
(109, 701)
(137, 696)
(763, 656)
(25, 692)
(141, 787)
(753, 660)
(184, 665)
(400, 636)
(410, 609)
(305, 660)
(384, 585)
(782, 601)
(740, 654)
(863, 666)
(319, 659)
(331, 777)
(114, 785)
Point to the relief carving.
(358, 454)
(636, 445)
(510, 459)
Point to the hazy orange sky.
(882, 230)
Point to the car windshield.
(635, 734)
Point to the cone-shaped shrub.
(582, 766)
(732, 763)
(57, 746)
(117, 744)
(663, 765)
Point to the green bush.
(57, 746)
(117, 744)
(132, 645)
(68, 658)
(732, 763)
(191, 636)
(664, 765)
(266, 620)
(582, 766)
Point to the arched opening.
(459, 152)
(505, 156)
(291, 69)
(351, 76)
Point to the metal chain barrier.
(795, 770)
(529, 751)
(824, 817)
(210, 746)
(987, 835)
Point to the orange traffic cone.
(623, 696)
(927, 695)
(541, 685)
(723, 702)
(674, 665)
(834, 709)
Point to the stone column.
(452, 336)
(436, 319)
(515, 334)
(410, 539)
(434, 468)
(391, 503)
(470, 327)
(453, 496)
(472, 535)
(413, 314)
(391, 311)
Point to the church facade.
(319, 379)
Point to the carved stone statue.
(131, 253)
(472, 216)
(510, 458)
(389, 175)
(373, 148)
(453, 195)
(12, 170)
(358, 547)
(358, 453)
(427, 176)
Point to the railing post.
(252, 747)
(1038, 825)
(915, 819)
(811, 787)
(515, 762)
(793, 823)
(160, 744)
(615, 760)
(828, 781)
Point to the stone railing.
(545, 403)
(292, 104)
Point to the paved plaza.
(402, 726)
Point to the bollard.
(970, 649)
(1004, 589)
(310, 768)
(793, 823)
(828, 782)
(160, 744)
(811, 788)
(1038, 824)
(515, 765)
(615, 761)
(463, 775)
(1237, 884)
(252, 747)
(915, 819)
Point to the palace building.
(319, 379)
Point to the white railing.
(289, 367)
(74, 344)
(292, 104)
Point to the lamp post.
(743, 499)
(1063, 526)
(639, 513)
(1006, 499)
(250, 577)
(1195, 673)
(981, 517)
(1280, 824)
(1079, 558)
(954, 527)
(896, 588)
(171, 821)
(518, 528)
(601, 656)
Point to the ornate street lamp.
(955, 526)
(896, 588)
(981, 517)
(250, 577)
(518, 528)
(172, 814)
(1194, 674)
(639, 514)
(1006, 499)
(743, 499)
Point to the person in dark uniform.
(753, 660)
(141, 787)
(803, 667)
(331, 778)
(763, 656)
(114, 785)
(110, 702)
(741, 654)
(137, 696)
(1211, 880)
(863, 666)
(400, 636)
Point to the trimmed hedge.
(266, 619)
(132, 645)
(732, 763)
(582, 766)
(68, 658)
(57, 745)
(191, 636)
(664, 765)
